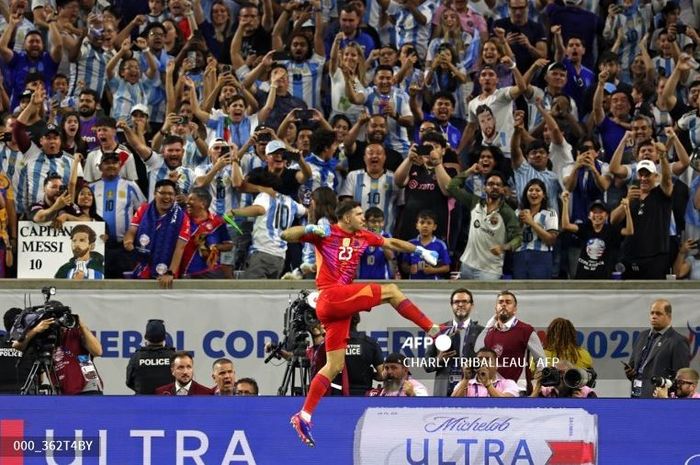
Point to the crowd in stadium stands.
(527, 140)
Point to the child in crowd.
(415, 267)
(377, 263)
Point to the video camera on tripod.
(32, 316)
(299, 321)
(41, 376)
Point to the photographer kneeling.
(75, 347)
(564, 380)
(684, 387)
(487, 382)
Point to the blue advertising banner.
(427, 431)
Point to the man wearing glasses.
(158, 232)
(463, 331)
(686, 386)
(494, 228)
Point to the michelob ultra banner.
(76, 250)
(535, 436)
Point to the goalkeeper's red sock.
(408, 310)
(319, 386)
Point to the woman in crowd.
(534, 259)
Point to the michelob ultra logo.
(512, 436)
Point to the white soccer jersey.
(280, 213)
(380, 192)
(224, 195)
(116, 201)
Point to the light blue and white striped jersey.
(157, 170)
(692, 214)
(663, 66)
(249, 162)
(534, 115)
(397, 135)
(380, 192)
(689, 122)
(224, 196)
(408, 30)
(220, 126)
(305, 79)
(280, 213)
(549, 221)
(634, 25)
(37, 167)
(193, 157)
(116, 201)
(322, 173)
(436, 42)
(91, 69)
(526, 172)
(11, 163)
(126, 95)
(662, 119)
(460, 93)
(20, 32)
(156, 97)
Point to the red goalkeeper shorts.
(336, 306)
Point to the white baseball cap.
(140, 107)
(273, 146)
(646, 165)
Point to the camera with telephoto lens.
(574, 378)
(661, 382)
(30, 317)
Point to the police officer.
(363, 360)
(12, 372)
(149, 367)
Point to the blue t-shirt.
(373, 264)
(611, 133)
(21, 65)
(438, 246)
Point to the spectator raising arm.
(559, 49)
(616, 167)
(516, 152)
(319, 28)
(123, 52)
(56, 51)
(667, 99)
(598, 114)
(6, 52)
(679, 166)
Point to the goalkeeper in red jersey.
(339, 248)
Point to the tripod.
(296, 375)
(40, 381)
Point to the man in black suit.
(463, 331)
(184, 385)
(660, 351)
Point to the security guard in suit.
(463, 331)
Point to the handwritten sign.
(76, 250)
